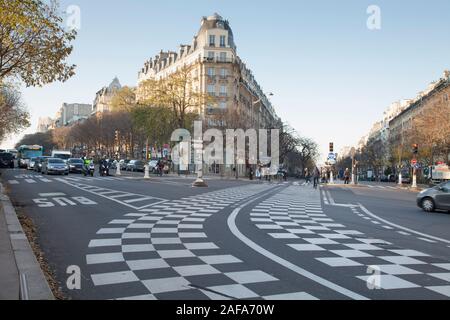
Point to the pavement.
(21, 275)
(161, 239)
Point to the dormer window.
(212, 40)
(222, 41)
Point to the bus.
(26, 152)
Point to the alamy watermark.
(229, 147)
(73, 17)
(374, 19)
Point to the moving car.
(32, 163)
(437, 197)
(135, 165)
(6, 160)
(62, 154)
(55, 165)
(75, 165)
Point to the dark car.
(135, 165)
(6, 160)
(55, 166)
(38, 163)
(75, 165)
(437, 197)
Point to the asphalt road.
(162, 239)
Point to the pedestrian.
(316, 177)
(346, 176)
(258, 173)
(250, 174)
(307, 177)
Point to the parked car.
(152, 165)
(437, 197)
(135, 165)
(38, 163)
(54, 165)
(75, 165)
(406, 179)
(6, 160)
(31, 163)
(123, 164)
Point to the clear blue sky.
(331, 76)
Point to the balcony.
(218, 60)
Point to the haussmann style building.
(218, 71)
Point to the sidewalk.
(17, 258)
(379, 184)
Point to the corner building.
(218, 71)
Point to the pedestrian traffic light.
(415, 148)
(331, 147)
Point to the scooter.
(104, 170)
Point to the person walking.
(316, 177)
(307, 177)
(347, 176)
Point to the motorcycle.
(104, 170)
(89, 170)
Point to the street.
(162, 239)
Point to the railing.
(218, 60)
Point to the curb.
(364, 185)
(36, 286)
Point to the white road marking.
(401, 227)
(13, 182)
(114, 278)
(30, 181)
(233, 228)
(54, 194)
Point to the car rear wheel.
(428, 205)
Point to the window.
(445, 97)
(223, 105)
(211, 90)
(212, 41)
(223, 56)
(211, 72)
(223, 73)
(223, 91)
(222, 41)
(211, 55)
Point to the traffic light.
(415, 148)
(331, 147)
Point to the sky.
(332, 77)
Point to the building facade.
(44, 124)
(71, 113)
(438, 91)
(103, 97)
(218, 71)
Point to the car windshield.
(34, 159)
(55, 161)
(6, 156)
(75, 161)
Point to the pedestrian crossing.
(296, 218)
(34, 179)
(162, 252)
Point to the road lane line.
(401, 227)
(137, 200)
(52, 194)
(233, 228)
